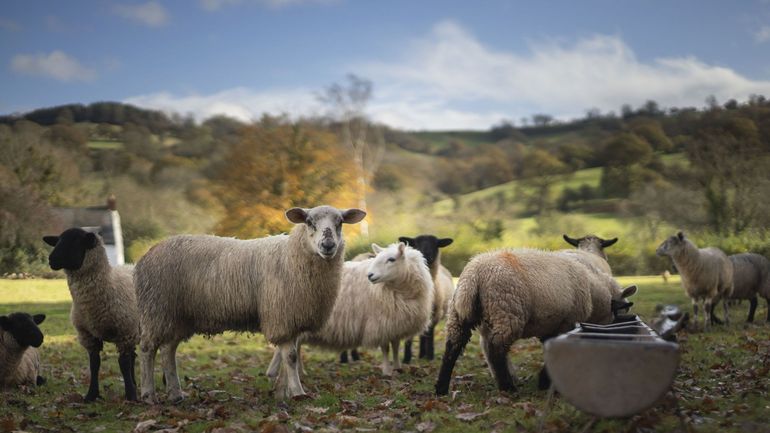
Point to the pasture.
(722, 384)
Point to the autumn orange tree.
(275, 165)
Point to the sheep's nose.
(370, 276)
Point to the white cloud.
(451, 80)
(151, 14)
(762, 35)
(215, 5)
(56, 64)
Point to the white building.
(98, 219)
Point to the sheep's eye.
(310, 224)
(391, 260)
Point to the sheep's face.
(23, 328)
(591, 243)
(388, 264)
(619, 305)
(428, 245)
(671, 246)
(69, 248)
(324, 227)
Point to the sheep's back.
(750, 275)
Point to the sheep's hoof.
(302, 397)
(149, 398)
(90, 398)
(398, 370)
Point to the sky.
(434, 64)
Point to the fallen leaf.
(470, 416)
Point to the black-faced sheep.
(443, 286)
(281, 286)
(520, 293)
(19, 359)
(103, 303)
(707, 274)
(751, 277)
(381, 301)
(595, 246)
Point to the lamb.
(19, 359)
(707, 274)
(281, 286)
(595, 246)
(443, 286)
(520, 293)
(103, 303)
(751, 277)
(381, 301)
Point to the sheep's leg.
(426, 339)
(147, 364)
(354, 354)
(694, 310)
(300, 364)
(498, 358)
(343, 357)
(423, 346)
(752, 308)
(767, 300)
(408, 350)
(726, 310)
(714, 319)
(387, 369)
(458, 336)
(275, 365)
(94, 364)
(126, 363)
(707, 310)
(291, 386)
(431, 343)
(394, 345)
(168, 362)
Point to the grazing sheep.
(19, 358)
(443, 285)
(103, 303)
(520, 293)
(280, 286)
(751, 277)
(594, 245)
(707, 274)
(381, 301)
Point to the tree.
(365, 143)
(541, 171)
(277, 165)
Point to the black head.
(589, 242)
(23, 328)
(69, 248)
(428, 245)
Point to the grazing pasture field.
(722, 384)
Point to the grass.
(722, 385)
(105, 144)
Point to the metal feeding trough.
(612, 370)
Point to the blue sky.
(434, 64)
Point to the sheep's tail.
(465, 302)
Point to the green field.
(722, 385)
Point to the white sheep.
(443, 286)
(751, 277)
(707, 274)
(280, 286)
(19, 359)
(594, 246)
(381, 301)
(103, 303)
(520, 293)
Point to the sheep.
(19, 359)
(443, 285)
(281, 286)
(103, 303)
(520, 293)
(594, 245)
(354, 355)
(707, 274)
(751, 277)
(381, 301)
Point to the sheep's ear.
(629, 291)
(51, 240)
(5, 323)
(406, 240)
(680, 235)
(296, 215)
(571, 241)
(91, 241)
(401, 247)
(608, 243)
(376, 248)
(445, 242)
(38, 318)
(352, 216)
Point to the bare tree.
(347, 103)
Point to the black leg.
(354, 354)
(94, 363)
(714, 319)
(344, 357)
(408, 351)
(126, 363)
(423, 346)
(752, 308)
(497, 358)
(456, 341)
(543, 379)
(431, 353)
(768, 309)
